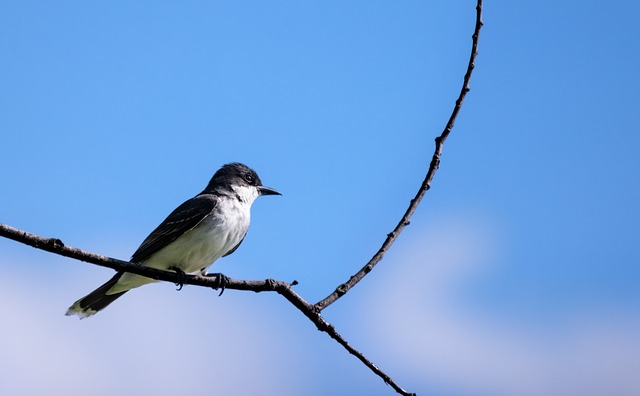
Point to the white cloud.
(155, 341)
(593, 352)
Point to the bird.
(201, 230)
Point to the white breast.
(216, 234)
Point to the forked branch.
(311, 311)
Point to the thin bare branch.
(426, 184)
(311, 311)
(56, 246)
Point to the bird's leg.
(181, 276)
(222, 281)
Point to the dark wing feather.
(181, 220)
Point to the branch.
(311, 311)
(426, 184)
(56, 246)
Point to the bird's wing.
(181, 220)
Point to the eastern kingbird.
(206, 227)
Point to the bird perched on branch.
(201, 230)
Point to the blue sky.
(518, 274)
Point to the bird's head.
(241, 180)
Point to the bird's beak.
(262, 190)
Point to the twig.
(56, 246)
(426, 184)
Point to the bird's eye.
(248, 177)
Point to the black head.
(237, 174)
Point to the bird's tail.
(97, 300)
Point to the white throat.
(246, 194)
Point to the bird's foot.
(221, 283)
(181, 277)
